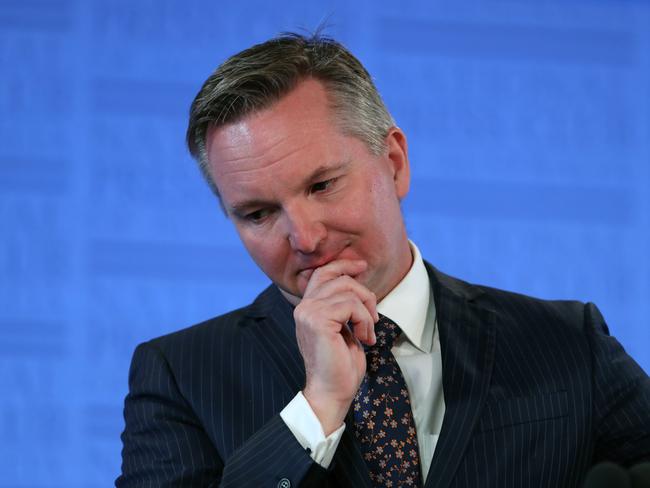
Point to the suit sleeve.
(165, 445)
(621, 398)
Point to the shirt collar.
(408, 303)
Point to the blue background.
(529, 131)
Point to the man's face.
(301, 194)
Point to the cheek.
(362, 202)
(266, 251)
(376, 208)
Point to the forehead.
(299, 129)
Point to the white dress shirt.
(417, 351)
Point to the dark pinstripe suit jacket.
(535, 393)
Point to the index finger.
(334, 269)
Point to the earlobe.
(398, 156)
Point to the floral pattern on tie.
(383, 421)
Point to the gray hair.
(255, 78)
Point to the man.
(361, 365)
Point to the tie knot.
(387, 331)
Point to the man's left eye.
(322, 185)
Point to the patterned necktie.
(383, 421)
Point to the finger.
(333, 270)
(332, 312)
(350, 339)
(344, 284)
(355, 315)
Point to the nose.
(305, 230)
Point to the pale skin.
(319, 213)
(335, 314)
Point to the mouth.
(306, 271)
(310, 269)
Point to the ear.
(397, 155)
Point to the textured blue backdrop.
(529, 126)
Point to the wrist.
(330, 412)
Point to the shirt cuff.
(305, 426)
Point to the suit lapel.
(467, 341)
(271, 327)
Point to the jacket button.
(284, 483)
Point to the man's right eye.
(257, 216)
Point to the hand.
(335, 315)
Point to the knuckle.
(303, 312)
(347, 280)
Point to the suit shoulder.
(224, 322)
(519, 307)
(547, 313)
(229, 322)
(223, 328)
(498, 295)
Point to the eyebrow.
(324, 170)
(239, 209)
(319, 173)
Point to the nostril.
(307, 238)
